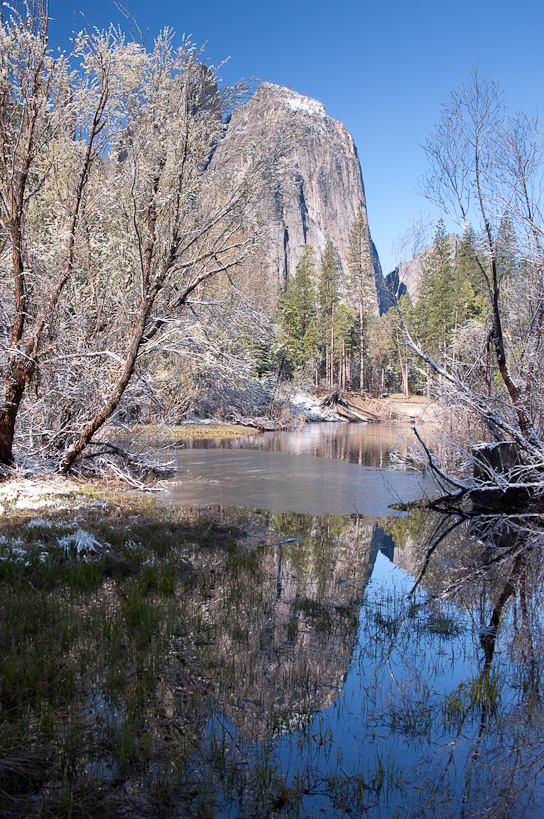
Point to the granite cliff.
(406, 277)
(313, 186)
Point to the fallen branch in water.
(440, 476)
(262, 424)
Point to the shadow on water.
(236, 663)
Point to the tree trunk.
(332, 353)
(15, 387)
(363, 351)
(404, 370)
(112, 402)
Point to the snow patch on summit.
(307, 105)
(296, 101)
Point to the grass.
(160, 433)
(96, 619)
(114, 615)
(154, 660)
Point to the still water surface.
(387, 666)
(328, 468)
(276, 662)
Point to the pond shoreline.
(160, 660)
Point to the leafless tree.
(485, 171)
(109, 223)
(53, 129)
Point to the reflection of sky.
(388, 578)
(359, 723)
(389, 709)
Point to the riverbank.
(397, 407)
(118, 624)
(195, 429)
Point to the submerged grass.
(97, 626)
(154, 662)
(122, 626)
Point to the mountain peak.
(312, 183)
(295, 101)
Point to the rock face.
(313, 186)
(406, 277)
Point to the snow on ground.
(24, 493)
(304, 403)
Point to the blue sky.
(383, 69)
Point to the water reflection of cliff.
(248, 664)
(286, 624)
(363, 444)
(441, 685)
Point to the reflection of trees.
(179, 654)
(286, 627)
(363, 444)
(193, 665)
(490, 568)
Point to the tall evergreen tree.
(297, 310)
(362, 285)
(328, 298)
(470, 302)
(435, 308)
(345, 343)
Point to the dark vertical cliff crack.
(303, 209)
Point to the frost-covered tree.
(54, 125)
(486, 171)
(109, 224)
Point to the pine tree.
(311, 349)
(328, 298)
(304, 289)
(470, 302)
(361, 267)
(435, 309)
(345, 342)
(297, 310)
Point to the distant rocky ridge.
(406, 277)
(314, 186)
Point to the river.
(271, 639)
(330, 468)
(381, 664)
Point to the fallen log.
(261, 423)
(357, 413)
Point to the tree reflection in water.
(350, 686)
(490, 569)
(254, 664)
